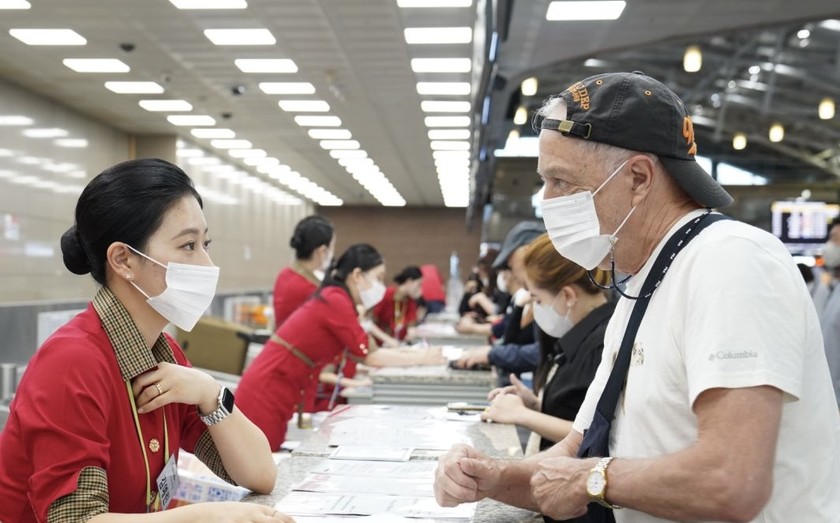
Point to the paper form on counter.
(390, 469)
(330, 484)
(316, 504)
(372, 453)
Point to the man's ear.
(118, 258)
(642, 171)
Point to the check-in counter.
(430, 385)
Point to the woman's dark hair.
(360, 255)
(124, 203)
(412, 272)
(310, 233)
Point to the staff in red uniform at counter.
(397, 311)
(276, 383)
(314, 245)
(108, 399)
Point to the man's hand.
(464, 475)
(559, 486)
(473, 357)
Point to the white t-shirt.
(732, 311)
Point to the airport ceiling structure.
(351, 101)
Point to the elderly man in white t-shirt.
(727, 412)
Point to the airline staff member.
(398, 309)
(107, 401)
(277, 382)
(314, 245)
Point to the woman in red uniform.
(108, 399)
(397, 311)
(314, 245)
(277, 382)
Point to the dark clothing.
(515, 358)
(514, 332)
(577, 355)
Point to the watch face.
(227, 400)
(595, 483)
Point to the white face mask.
(573, 226)
(550, 322)
(501, 282)
(189, 291)
(831, 255)
(372, 295)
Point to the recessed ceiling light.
(193, 120)
(240, 36)
(304, 106)
(15, 4)
(213, 133)
(329, 134)
(45, 133)
(587, 10)
(344, 153)
(96, 65)
(447, 121)
(247, 153)
(339, 144)
(441, 65)
(318, 121)
(48, 36)
(287, 87)
(446, 145)
(438, 35)
(13, 119)
(443, 88)
(529, 86)
(444, 107)
(166, 105)
(209, 4)
(73, 143)
(449, 134)
(434, 3)
(266, 65)
(231, 144)
(521, 115)
(134, 87)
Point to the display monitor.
(803, 226)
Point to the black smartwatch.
(222, 411)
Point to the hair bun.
(75, 258)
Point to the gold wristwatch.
(596, 484)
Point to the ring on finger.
(160, 390)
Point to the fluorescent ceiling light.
(343, 153)
(96, 65)
(134, 87)
(451, 155)
(247, 153)
(692, 59)
(443, 88)
(441, 65)
(231, 144)
(447, 121)
(73, 143)
(266, 65)
(166, 105)
(209, 4)
(287, 87)
(339, 144)
(192, 120)
(48, 36)
(213, 133)
(444, 107)
(14, 4)
(446, 145)
(304, 106)
(438, 35)
(831, 24)
(434, 3)
(588, 10)
(449, 134)
(329, 134)
(529, 86)
(45, 133)
(318, 121)
(16, 120)
(240, 36)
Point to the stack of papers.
(318, 504)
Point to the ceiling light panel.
(266, 65)
(438, 35)
(192, 120)
(450, 145)
(15, 4)
(15, 120)
(165, 105)
(441, 65)
(213, 133)
(53, 132)
(318, 121)
(431, 106)
(209, 4)
(567, 10)
(134, 87)
(329, 134)
(304, 106)
(443, 88)
(449, 134)
(339, 144)
(96, 65)
(405, 4)
(48, 36)
(240, 36)
(287, 88)
(447, 121)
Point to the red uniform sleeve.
(290, 292)
(383, 312)
(343, 321)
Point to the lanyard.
(143, 448)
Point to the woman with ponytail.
(284, 377)
(397, 312)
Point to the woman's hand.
(170, 383)
(228, 511)
(529, 399)
(506, 408)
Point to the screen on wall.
(803, 226)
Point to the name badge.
(168, 482)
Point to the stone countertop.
(433, 375)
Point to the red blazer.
(294, 285)
(395, 317)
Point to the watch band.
(220, 413)
(601, 468)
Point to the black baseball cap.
(634, 111)
(521, 234)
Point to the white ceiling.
(353, 51)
